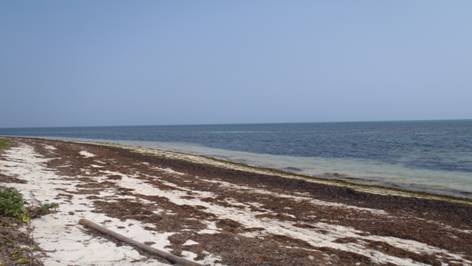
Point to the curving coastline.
(335, 180)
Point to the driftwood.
(172, 258)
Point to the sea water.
(433, 156)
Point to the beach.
(215, 212)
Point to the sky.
(92, 63)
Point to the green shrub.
(46, 208)
(4, 143)
(12, 204)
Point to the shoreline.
(361, 185)
(220, 213)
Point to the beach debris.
(172, 258)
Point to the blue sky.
(77, 63)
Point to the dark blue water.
(433, 145)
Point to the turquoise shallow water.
(433, 156)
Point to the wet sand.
(217, 213)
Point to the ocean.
(432, 156)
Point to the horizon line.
(249, 123)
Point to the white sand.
(299, 197)
(190, 242)
(87, 154)
(49, 147)
(66, 242)
(323, 235)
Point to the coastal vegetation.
(17, 246)
(4, 143)
(12, 204)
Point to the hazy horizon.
(119, 63)
(254, 123)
